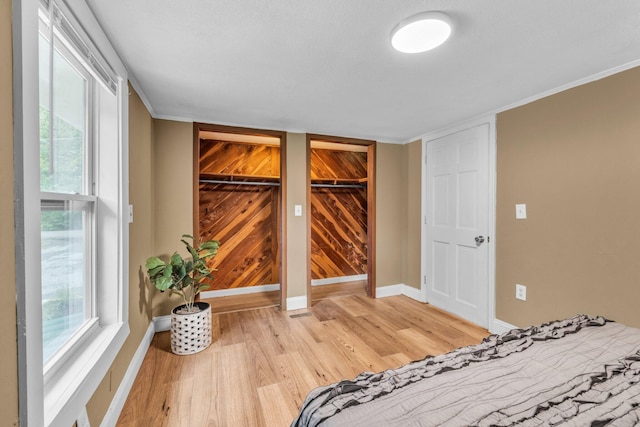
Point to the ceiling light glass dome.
(421, 32)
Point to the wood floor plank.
(242, 405)
(244, 302)
(278, 415)
(397, 360)
(423, 344)
(298, 377)
(319, 293)
(264, 361)
(354, 306)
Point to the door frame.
(491, 214)
(371, 207)
(282, 246)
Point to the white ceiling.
(327, 66)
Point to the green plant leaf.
(156, 271)
(164, 283)
(211, 245)
(176, 260)
(153, 262)
(202, 287)
(167, 272)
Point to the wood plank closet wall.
(338, 214)
(244, 218)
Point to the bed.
(584, 370)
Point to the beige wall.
(141, 240)
(574, 159)
(412, 175)
(390, 214)
(173, 193)
(9, 353)
(296, 225)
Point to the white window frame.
(60, 396)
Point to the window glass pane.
(64, 234)
(62, 125)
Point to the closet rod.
(220, 181)
(339, 185)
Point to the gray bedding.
(579, 371)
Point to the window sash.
(52, 202)
(55, 43)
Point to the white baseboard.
(115, 408)
(399, 289)
(240, 291)
(500, 327)
(341, 279)
(296, 303)
(388, 291)
(412, 292)
(162, 323)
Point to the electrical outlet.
(521, 292)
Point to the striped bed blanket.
(582, 371)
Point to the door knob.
(479, 240)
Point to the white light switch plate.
(521, 211)
(297, 210)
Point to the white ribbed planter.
(191, 332)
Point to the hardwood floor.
(244, 302)
(263, 362)
(318, 293)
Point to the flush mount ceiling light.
(421, 32)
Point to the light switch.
(297, 210)
(521, 211)
(130, 214)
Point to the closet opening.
(238, 198)
(341, 223)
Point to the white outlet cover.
(521, 292)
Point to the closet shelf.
(339, 180)
(238, 178)
(211, 178)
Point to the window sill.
(70, 388)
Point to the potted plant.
(187, 277)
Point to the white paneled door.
(457, 190)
